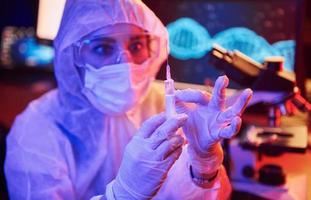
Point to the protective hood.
(80, 18)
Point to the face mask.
(115, 89)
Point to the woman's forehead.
(119, 29)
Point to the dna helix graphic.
(190, 40)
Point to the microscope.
(271, 138)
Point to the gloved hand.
(148, 157)
(209, 122)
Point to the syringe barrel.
(169, 86)
(169, 98)
(170, 105)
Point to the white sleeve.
(179, 185)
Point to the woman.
(102, 133)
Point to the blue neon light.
(191, 40)
(246, 41)
(286, 48)
(188, 39)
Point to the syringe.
(169, 94)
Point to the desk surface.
(292, 163)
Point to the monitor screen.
(256, 28)
(20, 49)
(28, 45)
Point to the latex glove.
(209, 122)
(259, 97)
(148, 157)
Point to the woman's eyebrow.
(106, 39)
(138, 37)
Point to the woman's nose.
(124, 57)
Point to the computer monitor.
(28, 44)
(19, 49)
(256, 28)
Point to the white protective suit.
(60, 147)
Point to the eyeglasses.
(102, 50)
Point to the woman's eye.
(103, 49)
(136, 47)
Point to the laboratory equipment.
(195, 25)
(271, 139)
(268, 77)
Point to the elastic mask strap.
(75, 48)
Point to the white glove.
(209, 121)
(148, 158)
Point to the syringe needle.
(168, 72)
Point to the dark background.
(18, 13)
(24, 13)
(274, 20)
(17, 88)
